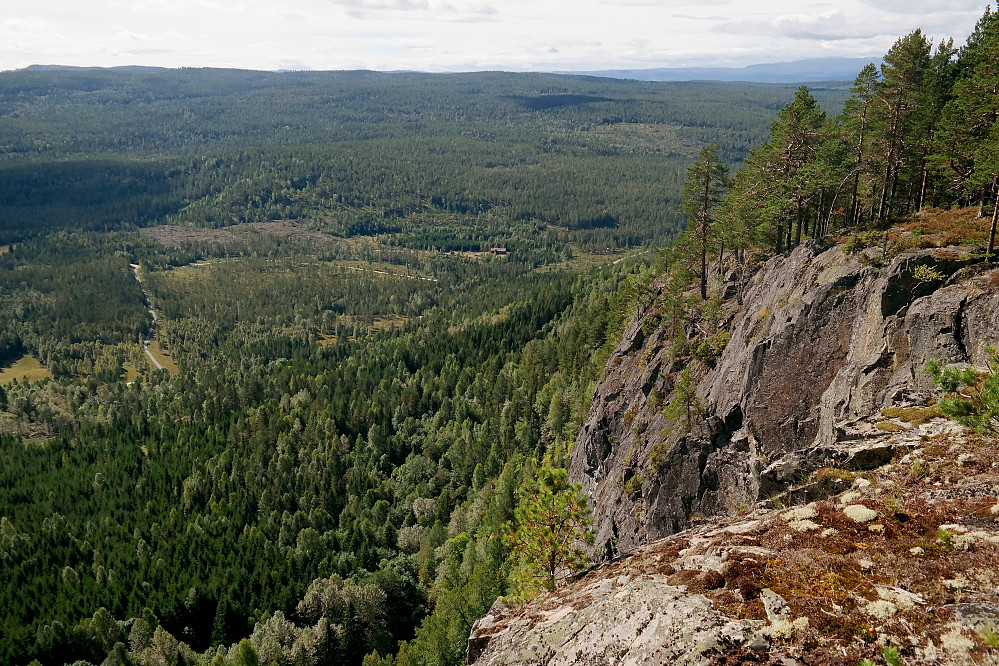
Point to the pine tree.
(899, 91)
(856, 120)
(967, 147)
(551, 522)
(707, 179)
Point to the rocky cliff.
(899, 568)
(820, 340)
(818, 510)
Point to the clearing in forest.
(27, 367)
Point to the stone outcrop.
(820, 341)
(901, 558)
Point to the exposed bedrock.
(819, 343)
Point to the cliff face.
(821, 400)
(820, 341)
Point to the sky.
(463, 35)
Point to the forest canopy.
(354, 387)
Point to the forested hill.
(354, 387)
(356, 391)
(363, 152)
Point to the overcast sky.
(461, 35)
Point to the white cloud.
(833, 25)
(928, 6)
(448, 35)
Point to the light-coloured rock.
(774, 605)
(645, 622)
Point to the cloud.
(664, 3)
(926, 6)
(442, 10)
(690, 17)
(384, 5)
(829, 26)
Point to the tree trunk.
(854, 208)
(884, 188)
(922, 190)
(704, 270)
(992, 231)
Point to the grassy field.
(165, 359)
(25, 367)
(130, 373)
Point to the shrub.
(708, 350)
(633, 486)
(974, 398)
(863, 240)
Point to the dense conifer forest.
(354, 386)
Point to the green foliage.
(921, 131)
(973, 399)
(370, 456)
(364, 152)
(924, 273)
(633, 486)
(892, 656)
(862, 240)
(685, 407)
(551, 524)
(707, 350)
(990, 635)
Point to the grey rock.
(819, 343)
(641, 622)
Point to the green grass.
(166, 360)
(25, 367)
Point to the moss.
(913, 415)
(833, 474)
(888, 426)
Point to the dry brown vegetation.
(934, 227)
(173, 235)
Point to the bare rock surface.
(904, 556)
(621, 620)
(819, 344)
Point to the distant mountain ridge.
(812, 69)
